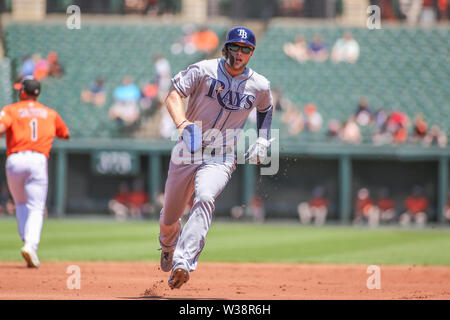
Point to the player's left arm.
(264, 113)
(62, 131)
(257, 152)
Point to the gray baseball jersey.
(218, 101)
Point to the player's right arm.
(184, 84)
(192, 135)
(174, 104)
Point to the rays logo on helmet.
(242, 33)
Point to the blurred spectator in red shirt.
(257, 209)
(365, 209)
(387, 10)
(118, 205)
(420, 128)
(315, 209)
(205, 40)
(443, 9)
(385, 206)
(416, 206)
(398, 118)
(149, 92)
(55, 68)
(138, 200)
(130, 203)
(397, 125)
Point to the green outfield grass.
(108, 240)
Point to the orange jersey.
(31, 126)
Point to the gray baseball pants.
(206, 181)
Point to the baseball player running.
(30, 128)
(222, 93)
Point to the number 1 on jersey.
(34, 129)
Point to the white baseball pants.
(27, 176)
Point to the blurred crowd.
(383, 210)
(372, 211)
(132, 103)
(379, 127)
(41, 68)
(368, 210)
(345, 49)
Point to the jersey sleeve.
(62, 131)
(265, 100)
(5, 117)
(187, 80)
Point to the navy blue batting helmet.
(241, 35)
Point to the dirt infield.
(236, 281)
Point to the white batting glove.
(257, 153)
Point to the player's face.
(238, 56)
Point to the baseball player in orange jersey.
(30, 128)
